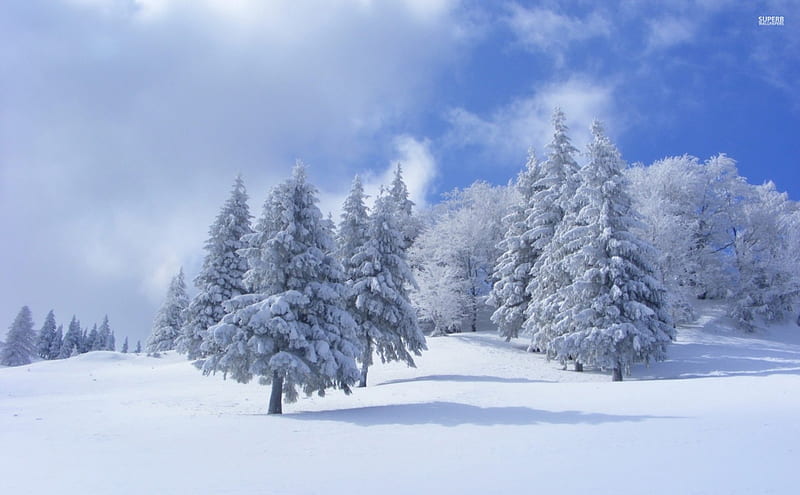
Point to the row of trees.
(292, 303)
(24, 344)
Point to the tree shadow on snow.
(460, 378)
(455, 414)
(706, 359)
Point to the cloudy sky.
(124, 122)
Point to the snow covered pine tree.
(387, 323)
(169, 319)
(292, 329)
(611, 314)
(47, 336)
(222, 275)
(20, 346)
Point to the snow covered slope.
(477, 415)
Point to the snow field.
(477, 415)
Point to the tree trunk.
(578, 366)
(366, 360)
(276, 395)
(363, 381)
(616, 374)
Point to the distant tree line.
(24, 344)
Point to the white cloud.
(526, 122)
(543, 29)
(670, 31)
(419, 170)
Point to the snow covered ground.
(477, 415)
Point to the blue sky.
(124, 122)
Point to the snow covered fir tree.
(608, 310)
(48, 342)
(19, 347)
(386, 320)
(291, 330)
(222, 274)
(169, 319)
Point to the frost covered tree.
(611, 313)
(551, 209)
(104, 338)
(91, 339)
(387, 322)
(125, 345)
(47, 335)
(86, 343)
(291, 329)
(72, 339)
(57, 343)
(398, 197)
(20, 346)
(169, 319)
(767, 284)
(512, 267)
(138, 349)
(440, 297)
(222, 274)
(353, 227)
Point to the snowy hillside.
(478, 415)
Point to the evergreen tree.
(86, 343)
(112, 342)
(169, 320)
(103, 338)
(408, 224)
(512, 269)
(551, 206)
(125, 345)
(387, 323)
(222, 275)
(46, 337)
(72, 339)
(353, 227)
(291, 331)
(611, 314)
(92, 338)
(56, 343)
(138, 349)
(20, 345)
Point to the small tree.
(125, 345)
(221, 277)
(387, 323)
(57, 343)
(104, 336)
(138, 349)
(72, 339)
(92, 339)
(46, 337)
(20, 345)
(292, 330)
(169, 319)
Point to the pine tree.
(86, 343)
(125, 345)
(92, 338)
(291, 331)
(103, 338)
(551, 206)
(611, 314)
(169, 319)
(353, 227)
(222, 275)
(46, 337)
(512, 269)
(138, 349)
(387, 323)
(112, 342)
(57, 343)
(407, 223)
(72, 339)
(20, 345)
